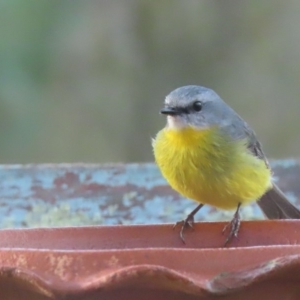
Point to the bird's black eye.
(197, 106)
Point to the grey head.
(202, 108)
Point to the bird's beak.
(171, 111)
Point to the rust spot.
(92, 187)
(69, 179)
(43, 194)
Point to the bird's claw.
(188, 222)
(234, 228)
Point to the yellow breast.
(210, 168)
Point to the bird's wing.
(273, 203)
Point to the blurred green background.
(84, 80)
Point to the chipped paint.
(60, 265)
(113, 261)
(87, 194)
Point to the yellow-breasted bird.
(208, 153)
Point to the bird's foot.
(234, 226)
(186, 223)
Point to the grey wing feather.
(273, 203)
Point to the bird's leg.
(188, 221)
(234, 225)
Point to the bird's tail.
(275, 205)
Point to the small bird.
(209, 154)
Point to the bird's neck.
(187, 136)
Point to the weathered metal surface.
(85, 194)
(144, 262)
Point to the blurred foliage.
(84, 80)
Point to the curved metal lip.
(78, 261)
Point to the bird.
(209, 154)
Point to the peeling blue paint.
(62, 195)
